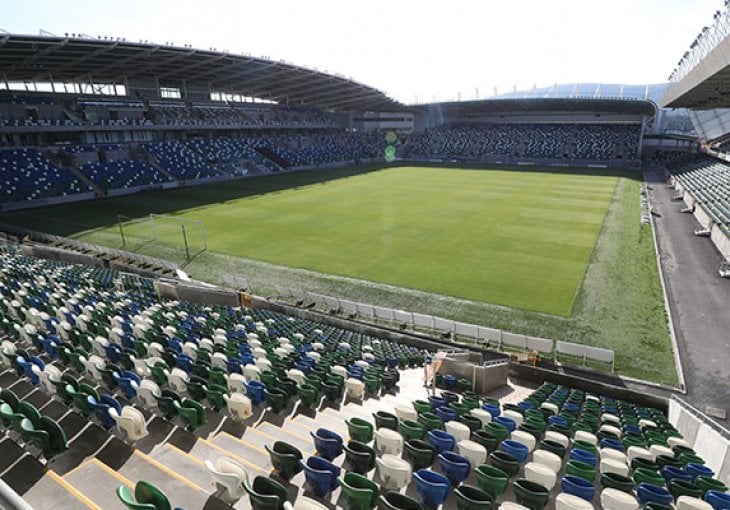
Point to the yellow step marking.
(83, 464)
(126, 481)
(162, 467)
(103, 466)
(72, 490)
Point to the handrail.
(10, 499)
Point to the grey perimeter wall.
(710, 440)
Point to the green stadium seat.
(419, 453)
(359, 492)
(491, 479)
(266, 494)
(10, 418)
(332, 391)
(360, 430)
(80, 397)
(285, 458)
(530, 494)
(472, 498)
(191, 412)
(398, 501)
(276, 399)
(215, 395)
(308, 394)
(359, 457)
(146, 497)
(386, 420)
(166, 402)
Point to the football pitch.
(558, 253)
(516, 239)
(519, 239)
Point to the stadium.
(231, 281)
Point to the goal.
(182, 236)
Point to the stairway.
(273, 156)
(65, 162)
(99, 192)
(86, 476)
(153, 161)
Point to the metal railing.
(706, 41)
(10, 500)
(489, 337)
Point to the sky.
(413, 50)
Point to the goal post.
(187, 233)
(182, 235)
(135, 232)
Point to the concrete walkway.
(698, 298)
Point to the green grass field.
(526, 249)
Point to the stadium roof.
(706, 85)
(653, 92)
(39, 58)
(530, 105)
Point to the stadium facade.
(162, 389)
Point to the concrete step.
(23, 473)
(52, 491)
(323, 420)
(98, 482)
(253, 452)
(291, 433)
(205, 450)
(339, 417)
(185, 464)
(181, 491)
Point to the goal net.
(164, 235)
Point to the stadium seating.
(545, 141)
(180, 161)
(557, 444)
(125, 173)
(255, 152)
(708, 181)
(26, 175)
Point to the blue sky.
(409, 49)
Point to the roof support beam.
(347, 95)
(369, 99)
(80, 60)
(279, 78)
(122, 64)
(37, 55)
(184, 69)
